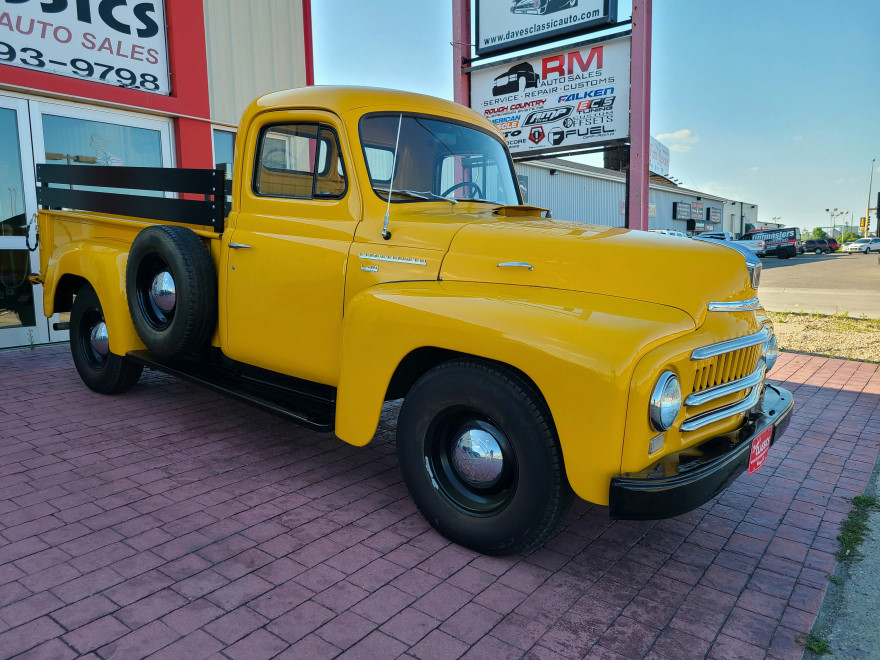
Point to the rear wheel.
(100, 370)
(818, 250)
(480, 456)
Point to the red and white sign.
(760, 449)
(115, 42)
(558, 101)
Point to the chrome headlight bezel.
(771, 351)
(665, 403)
(755, 274)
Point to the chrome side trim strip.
(699, 398)
(396, 260)
(516, 264)
(735, 305)
(722, 413)
(731, 345)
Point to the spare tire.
(171, 286)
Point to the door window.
(300, 161)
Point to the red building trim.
(188, 63)
(307, 38)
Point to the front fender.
(102, 263)
(579, 349)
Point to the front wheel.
(480, 456)
(101, 371)
(867, 250)
(818, 250)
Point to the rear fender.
(579, 349)
(102, 264)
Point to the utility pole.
(868, 205)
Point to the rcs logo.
(536, 134)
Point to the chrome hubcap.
(98, 337)
(477, 457)
(162, 291)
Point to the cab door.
(287, 255)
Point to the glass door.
(21, 304)
(88, 137)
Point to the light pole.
(831, 215)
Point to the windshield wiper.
(477, 199)
(418, 194)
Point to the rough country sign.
(505, 25)
(116, 42)
(559, 102)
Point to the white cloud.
(681, 140)
(798, 138)
(754, 169)
(721, 190)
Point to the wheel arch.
(102, 265)
(421, 360)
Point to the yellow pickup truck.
(377, 248)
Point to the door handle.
(238, 246)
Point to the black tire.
(188, 324)
(522, 506)
(782, 254)
(102, 373)
(818, 250)
(867, 250)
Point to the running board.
(312, 412)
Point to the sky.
(772, 103)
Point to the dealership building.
(154, 83)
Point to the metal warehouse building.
(582, 193)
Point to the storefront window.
(84, 142)
(12, 214)
(16, 292)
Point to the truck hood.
(678, 272)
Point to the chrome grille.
(730, 372)
(726, 367)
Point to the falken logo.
(548, 116)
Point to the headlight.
(771, 352)
(665, 401)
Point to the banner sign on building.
(713, 215)
(113, 42)
(505, 25)
(697, 211)
(659, 160)
(681, 210)
(563, 101)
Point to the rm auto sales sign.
(115, 42)
(558, 102)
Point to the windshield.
(436, 159)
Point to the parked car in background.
(669, 232)
(866, 245)
(817, 245)
(781, 243)
(832, 243)
(717, 235)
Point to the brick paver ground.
(173, 522)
